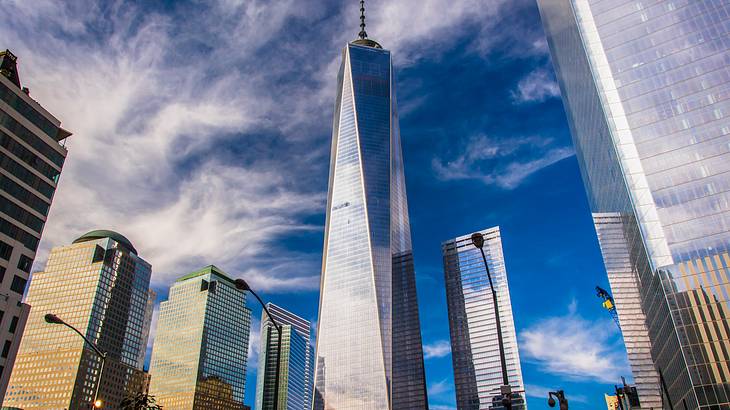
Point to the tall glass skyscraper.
(296, 374)
(31, 157)
(201, 347)
(369, 351)
(473, 326)
(646, 87)
(100, 286)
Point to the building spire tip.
(363, 34)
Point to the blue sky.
(202, 131)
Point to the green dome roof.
(103, 233)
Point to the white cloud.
(414, 29)
(537, 86)
(440, 387)
(151, 152)
(505, 162)
(254, 345)
(575, 348)
(165, 109)
(439, 348)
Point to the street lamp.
(243, 286)
(560, 395)
(478, 240)
(53, 319)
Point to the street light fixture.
(560, 395)
(53, 319)
(243, 286)
(478, 240)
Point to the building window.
(98, 254)
(13, 324)
(25, 263)
(203, 285)
(18, 285)
(6, 349)
(2, 273)
(5, 250)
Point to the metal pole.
(278, 354)
(101, 354)
(505, 379)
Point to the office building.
(201, 346)
(645, 87)
(296, 374)
(100, 286)
(473, 325)
(369, 352)
(31, 158)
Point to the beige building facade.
(100, 286)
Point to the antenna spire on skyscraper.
(363, 34)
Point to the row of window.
(9, 229)
(27, 156)
(21, 215)
(23, 174)
(27, 111)
(31, 139)
(23, 195)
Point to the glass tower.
(473, 326)
(100, 286)
(201, 347)
(646, 87)
(369, 351)
(31, 158)
(296, 377)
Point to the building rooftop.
(103, 233)
(205, 271)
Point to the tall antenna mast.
(363, 34)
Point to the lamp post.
(243, 286)
(53, 319)
(478, 240)
(560, 395)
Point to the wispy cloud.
(440, 387)
(196, 127)
(155, 152)
(504, 162)
(575, 348)
(439, 348)
(537, 86)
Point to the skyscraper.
(369, 352)
(201, 347)
(645, 86)
(100, 286)
(31, 158)
(296, 374)
(473, 326)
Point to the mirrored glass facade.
(296, 378)
(369, 351)
(31, 158)
(472, 322)
(645, 85)
(101, 287)
(201, 346)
